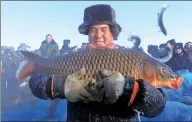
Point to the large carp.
(128, 62)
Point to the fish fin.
(28, 68)
(29, 56)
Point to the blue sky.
(30, 21)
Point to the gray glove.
(109, 89)
(77, 89)
(113, 83)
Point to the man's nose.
(99, 34)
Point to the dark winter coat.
(49, 50)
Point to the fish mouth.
(177, 82)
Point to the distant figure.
(66, 48)
(188, 50)
(180, 60)
(22, 47)
(10, 67)
(50, 48)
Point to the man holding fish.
(102, 83)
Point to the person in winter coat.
(131, 94)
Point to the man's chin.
(99, 44)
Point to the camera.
(66, 43)
(162, 45)
(152, 48)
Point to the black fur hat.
(178, 45)
(100, 14)
(188, 45)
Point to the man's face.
(48, 39)
(178, 51)
(100, 34)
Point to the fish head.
(166, 77)
(164, 5)
(160, 75)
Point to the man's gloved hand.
(113, 84)
(74, 88)
(110, 88)
(84, 90)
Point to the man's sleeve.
(150, 101)
(41, 86)
(38, 84)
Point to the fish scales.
(126, 62)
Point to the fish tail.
(29, 67)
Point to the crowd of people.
(11, 59)
(181, 57)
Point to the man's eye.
(92, 30)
